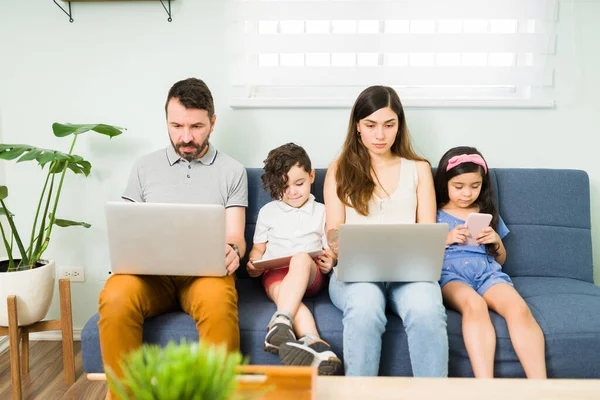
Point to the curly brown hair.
(278, 163)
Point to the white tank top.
(399, 208)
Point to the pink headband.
(463, 158)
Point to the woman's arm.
(426, 206)
(335, 211)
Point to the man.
(191, 170)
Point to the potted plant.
(25, 273)
(186, 370)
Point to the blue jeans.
(419, 304)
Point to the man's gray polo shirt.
(165, 177)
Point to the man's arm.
(235, 224)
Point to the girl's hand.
(252, 270)
(457, 235)
(326, 261)
(488, 236)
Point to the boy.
(293, 224)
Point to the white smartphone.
(476, 222)
(281, 262)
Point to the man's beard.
(190, 156)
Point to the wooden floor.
(45, 378)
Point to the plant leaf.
(62, 130)
(3, 212)
(42, 156)
(3, 192)
(63, 223)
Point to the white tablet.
(281, 262)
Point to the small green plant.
(45, 216)
(188, 370)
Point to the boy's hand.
(457, 235)
(326, 261)
(488, 236)
(252, 270)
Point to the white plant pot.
(34, 289)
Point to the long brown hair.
(354, 175)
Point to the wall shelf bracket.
(65, 11)
(167, 10)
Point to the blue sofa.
(549, 258)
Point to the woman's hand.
(457, 235)
(326, 261)
(252, 270)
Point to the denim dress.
(471, 264)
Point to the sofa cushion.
(548, 213)
(567, 312)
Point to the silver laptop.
(166, 239)
(391, 253)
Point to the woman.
(378, 178)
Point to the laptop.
(391, 252)
(166, 239)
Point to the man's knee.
(121, 293)
(214, 297)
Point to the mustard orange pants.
(127, 300)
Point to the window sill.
(245, 103)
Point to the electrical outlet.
(75, 274)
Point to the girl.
(472, 278)
(293, 224)
(378, 178)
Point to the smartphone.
(476, 222)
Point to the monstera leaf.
(25, 152)
(63, 223)
(62, 130)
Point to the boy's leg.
(281, 326)
(286, 288)
(125, 302)
(478, 332)
(300, 276)
(525, 333)
(212, 302)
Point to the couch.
(549, 258)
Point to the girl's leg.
(478, 332)
(419, 304)
(525, 333)
(363, 305)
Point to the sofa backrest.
(547, 212)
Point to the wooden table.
(338, 387)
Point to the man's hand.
(232, 261)
(252, 270)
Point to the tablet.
(281, 262)
(476, 222)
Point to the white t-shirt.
(289, 230)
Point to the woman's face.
(379, 131)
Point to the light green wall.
(115, 63)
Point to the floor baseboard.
(42, 336)
(54, 335)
